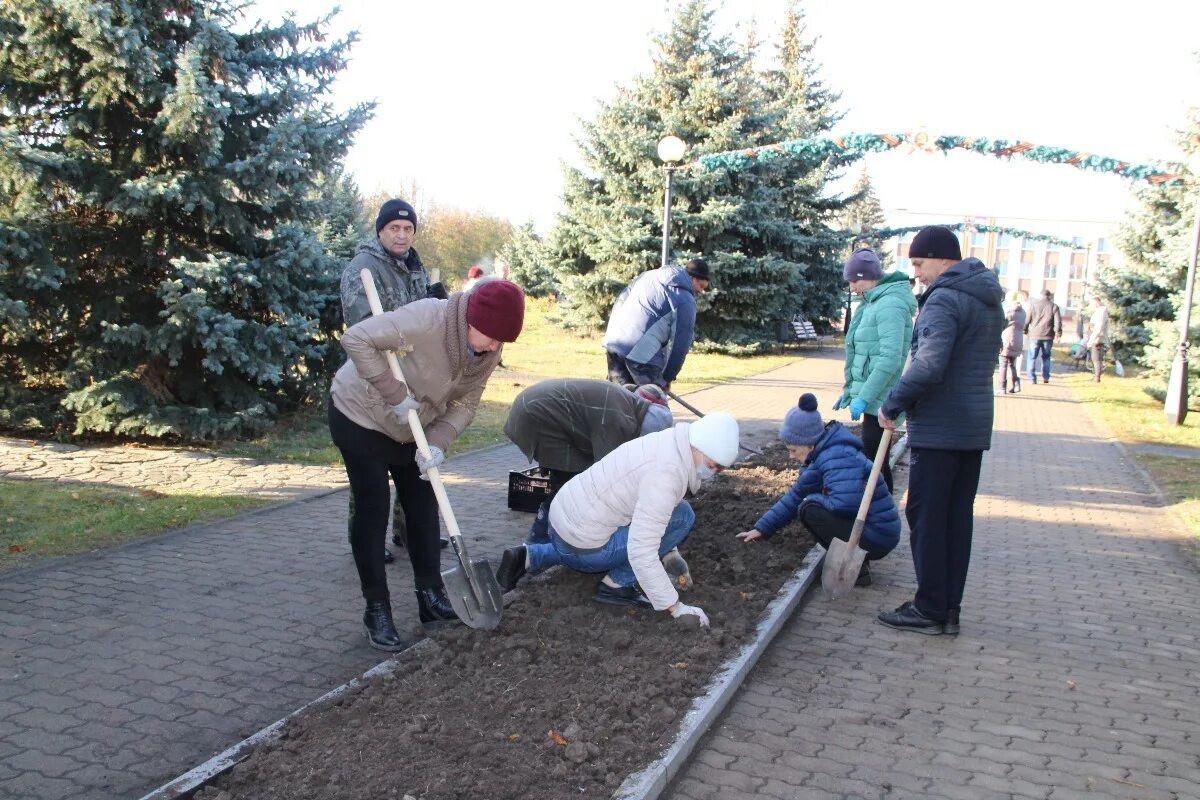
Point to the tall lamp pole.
(1176, 405)
(670, 150)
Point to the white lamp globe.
(671, 149)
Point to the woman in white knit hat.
(625, 513)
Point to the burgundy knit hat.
(497, 310)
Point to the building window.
(1078, 271)
(904, 264)
(1102, 245)
(1006, 240)
(1077, 242)
(1026, 269)
(978, 239)
(1050, 271)
(1028, 243)
(1001, 269)
(908, 237)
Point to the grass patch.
(543, 351)
(1123, 407)
(40, 519)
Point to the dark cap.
(934, 241)
(698, 269)
(393, 210)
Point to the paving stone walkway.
(122, 669)
(1074, 677)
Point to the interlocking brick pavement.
(1074, 675)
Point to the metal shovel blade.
(474, 593)
(840, 570)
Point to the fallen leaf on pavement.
(556, 737)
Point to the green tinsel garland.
(887, 233)
(842, 150)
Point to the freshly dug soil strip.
(564, 699)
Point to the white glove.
(402, 408)
(684, 610)
(436, 457)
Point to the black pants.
(371, 458)
(872, 434)
(825, 526)
(941, 516)
(1008, 365)
(623, 371)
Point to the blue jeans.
(1041, 347)
(613, 556)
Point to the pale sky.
(478, 102)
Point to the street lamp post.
(670, 150)
(1176, 405)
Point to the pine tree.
(763, 230)
(862, 218)
(172, 222)
(526, 255)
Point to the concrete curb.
(649, 783)
(192, 781)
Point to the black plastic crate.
(527, 489)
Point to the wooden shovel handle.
(860, 521)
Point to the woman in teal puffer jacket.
(876, 345)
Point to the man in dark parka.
(947, 395)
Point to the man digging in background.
(624, 514)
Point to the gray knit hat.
(803, 424)
(862, 265)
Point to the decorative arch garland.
(887, 233)
(842, 150)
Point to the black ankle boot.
(378, 625)
(434, 606)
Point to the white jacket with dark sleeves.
(638, 484)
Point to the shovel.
(471, 586)
(845, 559)
(697, 412)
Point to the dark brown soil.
(564, 699)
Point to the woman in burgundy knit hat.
(447, 351)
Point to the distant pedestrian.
(653, 324)
(826, 495)
(876, 345)
(947, 395)
(1043, 326)
(1098, 337)
(568, 424)
(1011, 346)
(473, 276)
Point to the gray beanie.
(862, 265)
(803, 423)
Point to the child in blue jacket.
(826, 495)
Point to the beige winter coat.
(430, 339)
(638, 484)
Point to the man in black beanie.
(947, 394)
(400, 278)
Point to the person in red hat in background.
(473, 276)
(447, 350)
(568, 424)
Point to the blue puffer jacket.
(653, 321)
(947, 390)
(835, 475)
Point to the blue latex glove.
(857, 407)
(436, 457)
(842, 401)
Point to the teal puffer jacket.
(878, 340)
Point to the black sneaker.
(387, 556)
(630, 596)
(950, 626)
(864, 576)
(908, 618)
(512, 567)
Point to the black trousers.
(825, 526)
(623, 371)
(872, 434)
(371, 458)
(941, 516)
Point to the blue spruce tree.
(170, 216)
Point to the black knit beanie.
(392, 210)
(934, 241)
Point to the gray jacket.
(398, 282)
(1045, 320)
(947, 390)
